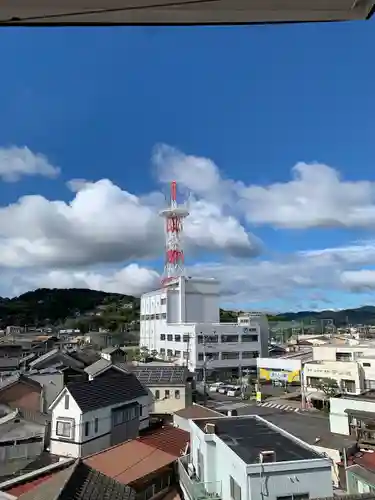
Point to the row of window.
(65, 428)
(211, 356)
(167, 394)
(210, 339)
(148, 317)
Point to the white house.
(245, 458)
(182, 323)
(90, 416)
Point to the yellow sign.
(270, 374)
(259, 397)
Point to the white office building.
(182, 323)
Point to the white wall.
(336, 370)
(338, 419)
(171, 404)
(62, 448)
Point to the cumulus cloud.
(105, 236)
(18, 162)
(315, 197)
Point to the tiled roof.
(167, 438)
(160, 375)
(135, 459)
(197, 411)
(13, 379)
(111, 388)
(79, 482)
(62, 357)
(98, 366)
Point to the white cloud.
(104, 235)
(19, 162)
(315, 197)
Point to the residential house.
(72, 368)
(113, 354)
(147, 463)
(52, 382)
(90, 416)
(182, 418)
(247, 458)
(171, 386)
(8, 366)
(21, 441)
(20, 391)
(87, 356)
(69, 480)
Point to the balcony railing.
(194, 488)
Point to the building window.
(235, 489)
(122, 415)
(249, 338)
(162, 336)
(96, 425)
(230, 355)
(211, 356)
(250, 355)
(295, 496)
(170, 338)
(66, 402)
(368, 365)
(186, 354)
(348, 385)
(185, 338)
(140, 410)
(177, 354)
(163, 301)
(157, 394)
(200, 356)
(177, 394)
(87, 428)
(167, 394)
(163, 315)
(162, 352)
(177, 338)
(229, 338)
(169, 353)
(64, 429)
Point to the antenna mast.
(174, 215)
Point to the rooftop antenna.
(174, 215)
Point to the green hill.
(72, 307)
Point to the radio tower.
(174, 215)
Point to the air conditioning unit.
(267, 456)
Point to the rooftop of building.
(75, 482)
(159, 375)
(197, 411)
(19, 429)
(250, 435)
(130, 461)
(112, 387)
(312, 428)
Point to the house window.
(167, 394)
(66, 402)
(96, 425)
(122, 415)
(295, 496)
(162, 336)
(87, 428)
(64, 429)
(235, 489)
(157, 394)
(177, 394)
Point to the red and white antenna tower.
(174, 215)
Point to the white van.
(215, 387)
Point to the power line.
(16, 20)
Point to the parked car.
(216, 386)
(234, 391)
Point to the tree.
(329, 387)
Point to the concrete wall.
(338, 419)
(173, 403)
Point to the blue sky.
(253, 100)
